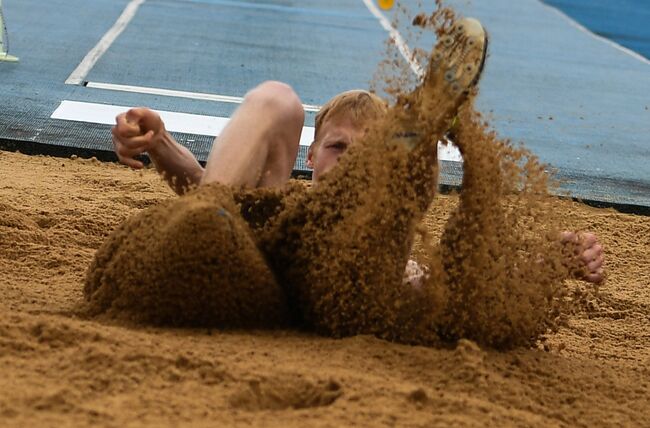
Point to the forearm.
(175, 163)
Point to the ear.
(310, 156)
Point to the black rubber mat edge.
(37, 148)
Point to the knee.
(279, 100)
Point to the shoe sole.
(455, 67)
(462, 52)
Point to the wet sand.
(60, 368)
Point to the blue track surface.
(627, 22)
(580, 104)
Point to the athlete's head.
(339, 123)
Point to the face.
(335, 137)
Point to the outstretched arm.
(588, 252)
(142, 130)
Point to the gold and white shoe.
(459, 56)
(454, 68)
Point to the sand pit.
(97, 255)
(62, 369)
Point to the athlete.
(257, 150)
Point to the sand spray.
(332, 258)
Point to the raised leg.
(259, 145)
(342, 249)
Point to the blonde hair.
(358, 105)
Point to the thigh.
(259, 145)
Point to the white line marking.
(82, 70)
(447, 151)
(397, 38)
(176, 122)
(187, 123)
(179, 94)
(584, 29)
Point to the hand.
(589, 253)
(134, 133)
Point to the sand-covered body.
(59, 368)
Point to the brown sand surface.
(58, 368)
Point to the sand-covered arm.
(142, 130)
(176, 163)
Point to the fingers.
(125, 128)
(595, 277)
(135, 142)
(590, 254)
(134, 115)
(145, 119)
(127, 157)
(594, 265)
(593, 258)
(137, 121)
(588, 239)
(127, 151)
(568, 236)
(135, 164)
(129, 140)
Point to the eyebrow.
(340, 137)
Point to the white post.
(2, 32)
(4, 54)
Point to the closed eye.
(338, 145)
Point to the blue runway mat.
(580, 104)
(627, 22)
